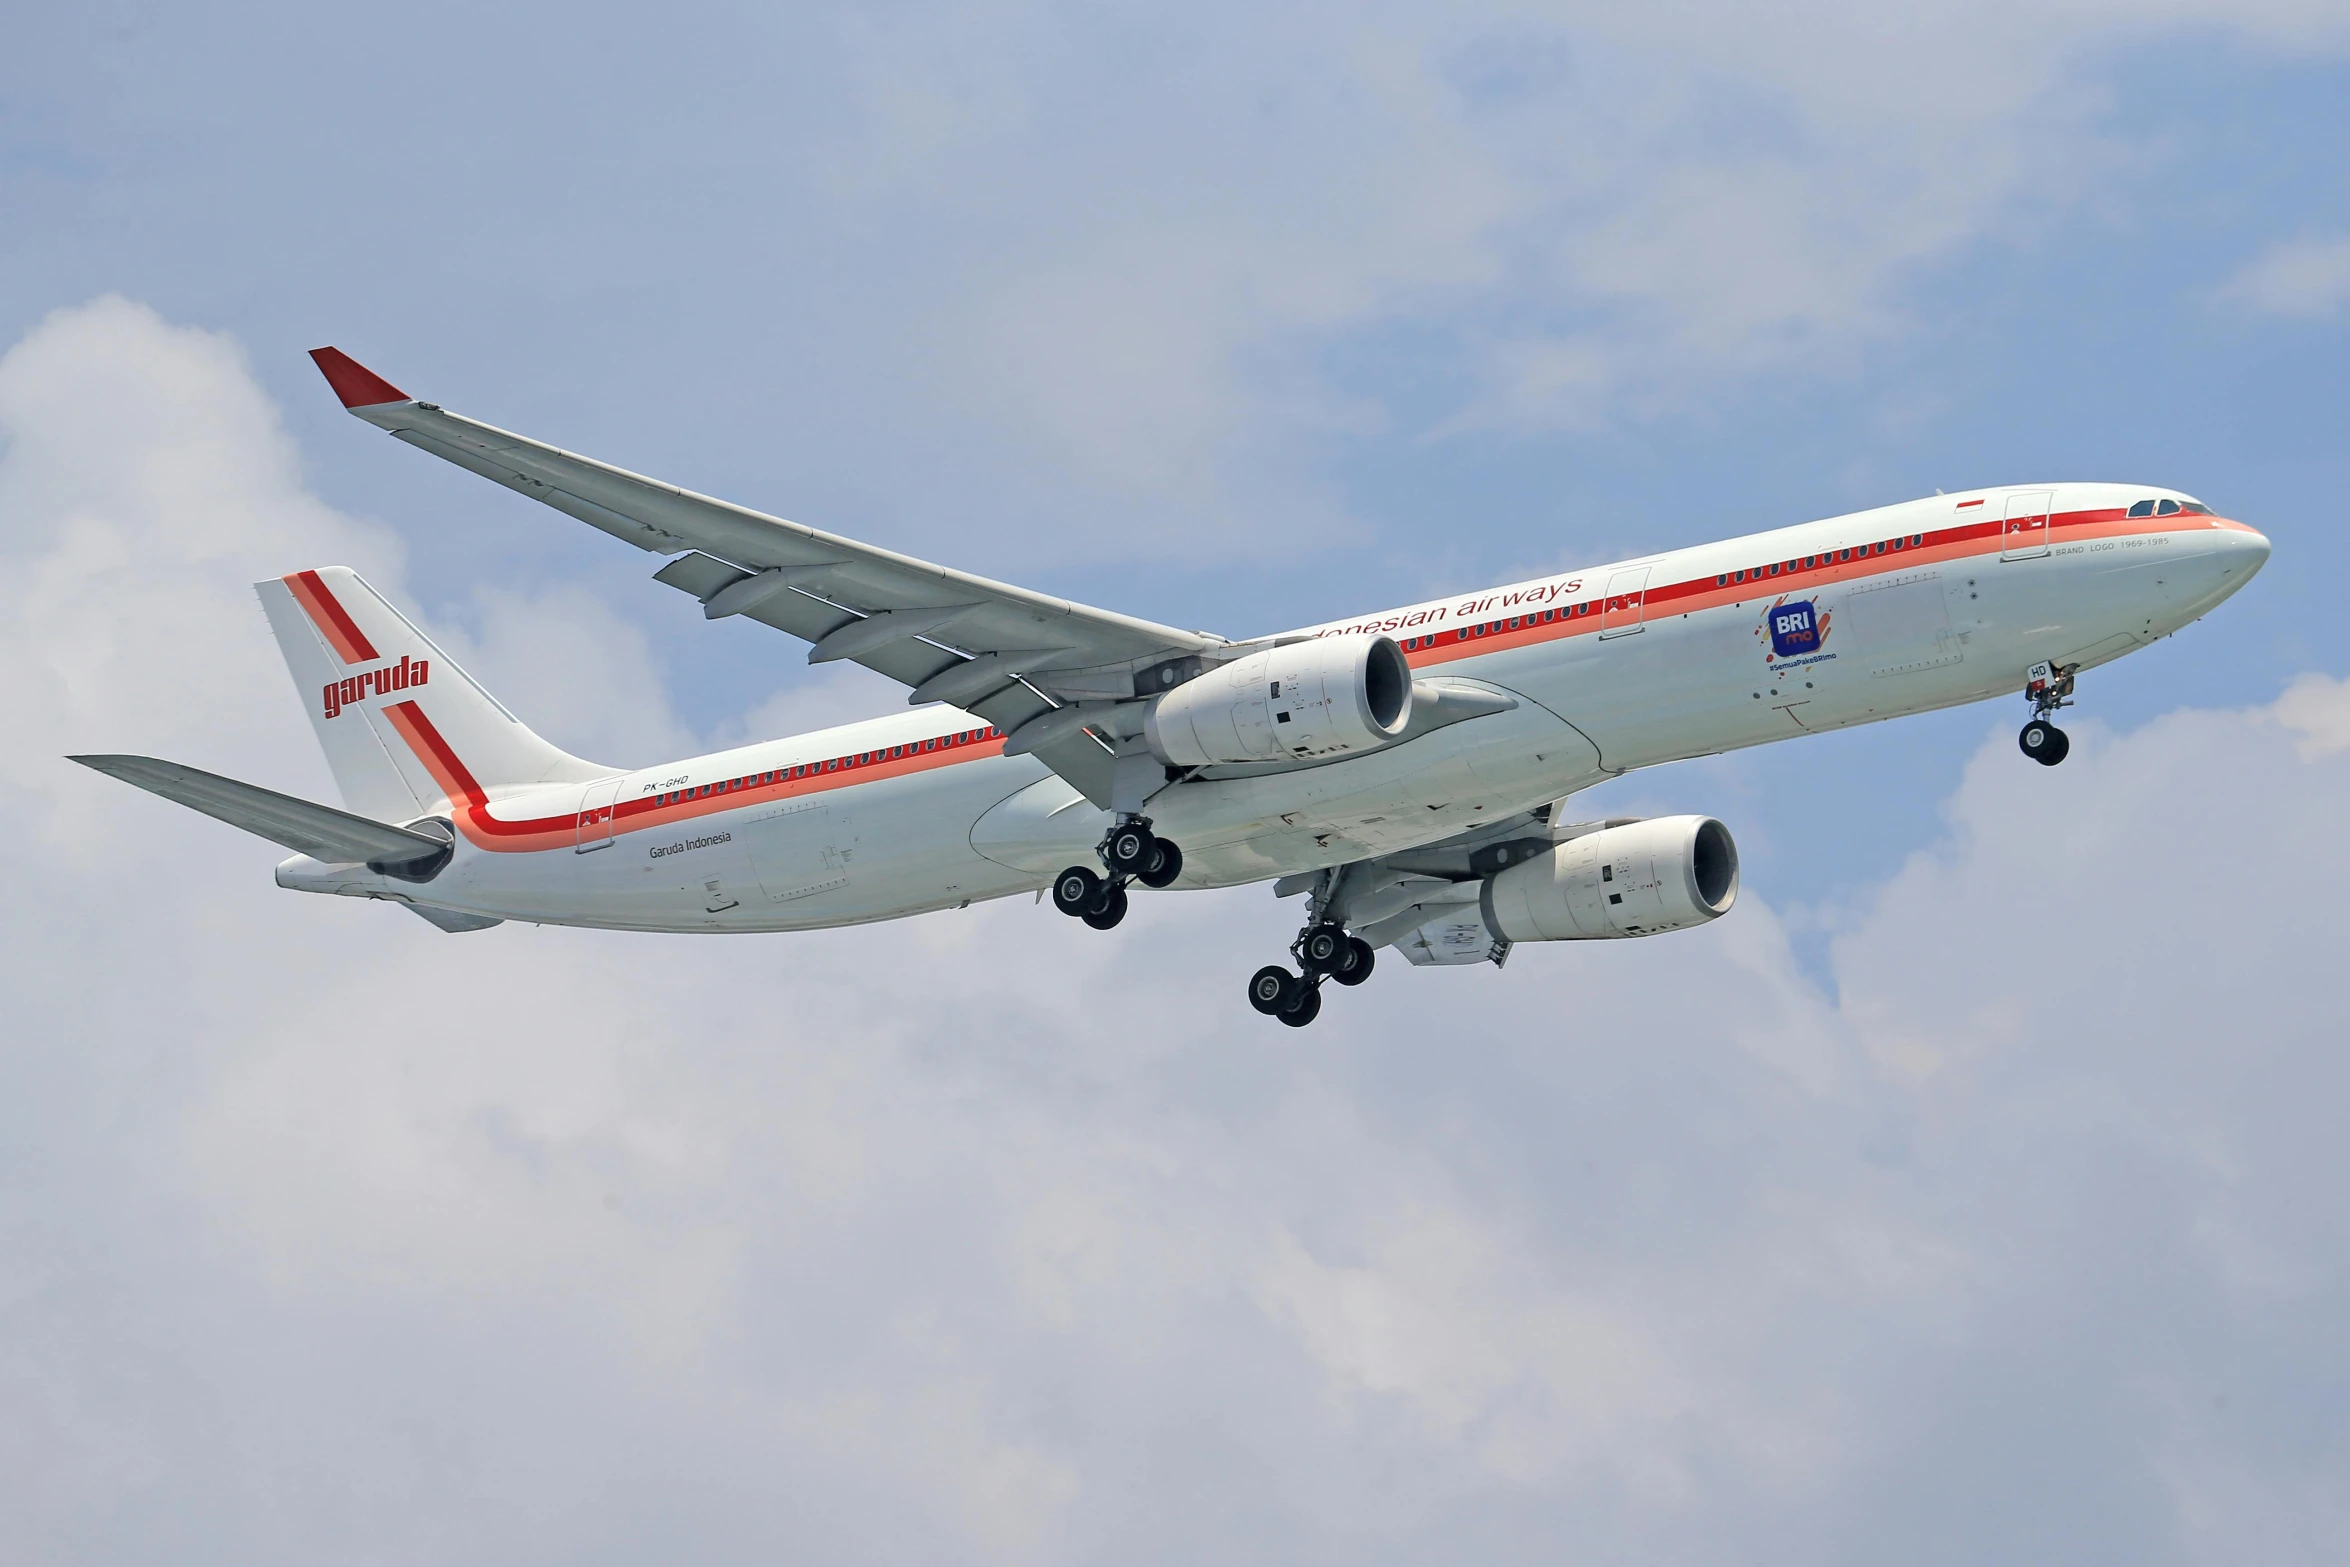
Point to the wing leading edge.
(1049, 673)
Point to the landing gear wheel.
(2043, 742)
(1163, 870)
(1360, 969)
(1272, 988)
(1108, 909)
(1075, 890)
(1324, 949)
(1129, 849)
(1307, 1007)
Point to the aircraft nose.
(2222, 562)
(2255, 547)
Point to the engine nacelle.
(1634, 880)
(1327, 697)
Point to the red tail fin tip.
(354, 383)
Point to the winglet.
(354, 383)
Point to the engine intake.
(1636, 880)
(1327, 697)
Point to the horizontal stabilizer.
(320, 831)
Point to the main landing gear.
(2047, 687)
(1323, 951)
(1130, 851)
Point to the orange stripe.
(339, 629)
(1970, 540)
(439, 760)
(470, 803)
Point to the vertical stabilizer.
(406, 731)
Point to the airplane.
(1408, 771)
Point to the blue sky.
(1995, 1111)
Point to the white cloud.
(2317, 709)
(987, 1237)
(2301, 279)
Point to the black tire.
(1324, 949)
(1109, 909)
(1361, 969)
(1165, 868)
(1130, 849)
(2062, 749)
(1272, 988)
(1075, 890)
(1305, 1009)
(2037, 738)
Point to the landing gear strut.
(2047, 687)
(1130, 851)
(1324, 951)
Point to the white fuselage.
(1681, 654)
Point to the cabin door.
(597, 806)
(1622, 611)
(2027, 526)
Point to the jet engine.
(1635, 880)
(1327, 697)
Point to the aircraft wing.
(1046, 672)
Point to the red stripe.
(651, 812)
(337, 627)
(1937, 545)
(435, 753)
(469, 802)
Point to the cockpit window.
(2167, 508)
(2142, 509)
(2195, 508)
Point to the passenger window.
(1774, 568)
(2167, 509)
(2142, 509)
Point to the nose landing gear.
(1131, 852)
(2047, 687)
(2044, 743)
